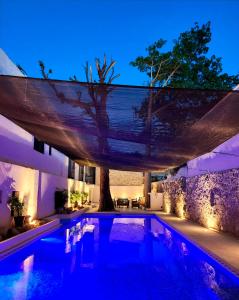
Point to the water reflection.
(21, 286)
(120, 230)
(75, 233)
(141, 254)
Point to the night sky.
(66, 33)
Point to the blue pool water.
(112, 258)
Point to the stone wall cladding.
(120, 178)
(174, 197)
(211, 200)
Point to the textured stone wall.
(174, 197)
(119, 178)
(211, 200)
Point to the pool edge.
(16, 243)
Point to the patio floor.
(222, 246)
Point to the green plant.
(75, 197)
(16, 206)
(84, 196)
(188, 64)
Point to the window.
(81, 173)
(90, 175)
(71, 169)
(157, 176)
(38, 145)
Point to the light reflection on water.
(114, 258)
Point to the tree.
(185, 66)
(99, 95)
(188, 64)
(97, 111)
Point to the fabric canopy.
(121, 127)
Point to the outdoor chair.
(122, 202)
(135, 203)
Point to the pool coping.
(73, 215)
(15, 243)
(208, 252)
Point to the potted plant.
(61, 197)
(16, 207)
(84, 196)
(74, 198)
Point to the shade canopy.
(121, 127)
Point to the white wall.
(130, 192)
(224, 157)
(47, 186)
(7, 67)
(17, 144)
(17, 147)
(35, 188)
(21, 179)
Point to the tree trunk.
(106, 202)
(147, 188)
(147, 175)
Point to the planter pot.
(19, 221)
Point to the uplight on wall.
(180, 206)
(209, 219)
(167, 202)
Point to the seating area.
(122, 202)
(135, 203)
(129, 203)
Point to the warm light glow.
(209, 219)
(136, 221)
(79, 186)
(212, 222)
(70, 187)
(34, 222)
(167, 202)
(21, 286)
(126, 192)
(27, 186)
(28, 264)
(180, 206)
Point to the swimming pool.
(114, 257)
